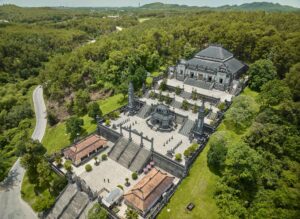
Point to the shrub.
(185, 105)
(104, 156)
(97, 212)
(195, 108)
(194, 95)
(58, 160)
(88, 168)
(178, 157)
(222, 106)
(187, 152)
(120, 186)
(68, 165)
(134, 175)
(152, 95)
(163, 85)
(107, 122)
(177, 90)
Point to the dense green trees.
(274, 92)
(74, 127)
(261, 72)
(94, 110)
(217, 152)
(240, 115)
(293, 81)
(260, 178)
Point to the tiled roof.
(84, 147)
(215, 52)
(215, 59)
(149, 189)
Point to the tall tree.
(261, 72)
(74, 127)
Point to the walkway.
(11, 204)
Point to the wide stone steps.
(76, 206)
(187, 127)
(176, 104)
(198, 83)
(186, 95)
(144, 111)
(118, 148)
(63, 201)
(140, 159)
(129, 154)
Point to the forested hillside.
(116, 58)
(29, 38)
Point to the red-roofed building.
(145, 194)
(84, 148)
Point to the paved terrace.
(160, 138)
(188, 88)
(189, 113)
(190, 100)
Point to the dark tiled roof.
(215, 52)
(215, 59)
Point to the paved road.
(11, 204)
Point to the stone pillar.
(131, 97)
(152, 148)
(130, 138)
(142, 144)
(121, 130)
(200, 120)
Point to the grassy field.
(199, 186)
(141, 20)
(56, 137)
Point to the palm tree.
(131, 213)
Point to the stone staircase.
(118, 148)
(129, 154)
(76, 206)
(139, 160)
(187, 127)
(62, 202)
(70, 204)
(198, 83)
(186, 95)
(144, 111)
(176, 104)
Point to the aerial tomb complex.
(157, 136)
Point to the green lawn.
(199, 186)
(141, 20)
(56, 138)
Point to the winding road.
(11, 204)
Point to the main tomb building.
(213, 67)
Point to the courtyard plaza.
(188, 88)
(163, 141)
(107, 174)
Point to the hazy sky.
(119, 3)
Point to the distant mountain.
(254, 6)
(260, 6)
